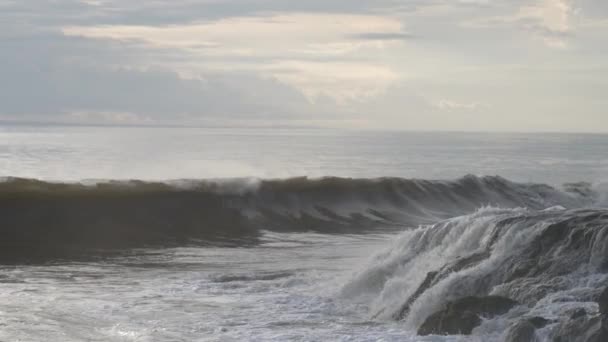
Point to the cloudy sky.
(515, 65)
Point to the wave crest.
(45, 218)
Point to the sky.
(465, 65)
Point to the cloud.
(340, 81)
(259, 34)
(382, 36)
(551, 21)
(418, 64)
(49, 77)
(455, 105)
(58, 13)
(316, 53)
(144, 96)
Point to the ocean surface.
(191, 234)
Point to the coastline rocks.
(525, 329)
(602, 331)
(603, 302)
(579, 329)
(434, 277)
(582, 327)
(578, 313)
(450, 323)
(538, 322)
(522, 331)
(461, 316)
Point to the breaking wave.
(500, 274)
(482, 256)
(42, 219)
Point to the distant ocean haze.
(80, 153)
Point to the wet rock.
(450, 323)
(580, 329)
(429, 280)
(461, 316)
(578, 313)
(538, 322)
(601, 332)
(488, 306)
(522, 331)
(603, 302)
(525, 329)
(434, 277)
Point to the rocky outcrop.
(550, 260)
(601, 334)
(602, 302)
(522, 331)
(461, 316)
(434, 277)
(525, 329)
(583, 327)
(538, 322)
(579, 329)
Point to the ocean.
(193, 234)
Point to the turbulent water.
(358, 256)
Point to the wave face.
(42, 219)
(553, 263)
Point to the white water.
(293, 287)
(394, 275)
(285, 289)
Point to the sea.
(285, 234)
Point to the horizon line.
(281, 126)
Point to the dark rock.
(434, 277)
(450, 323)
(522, 331)
(488, 306)
(578, 313)
(525, 329)
(538, 322)
(603, 302)
(581, 329)
(461, 316)
(601, 333)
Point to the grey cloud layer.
(496, 64)
(46, 76)
(139, 12)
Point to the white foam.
(391, 277)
